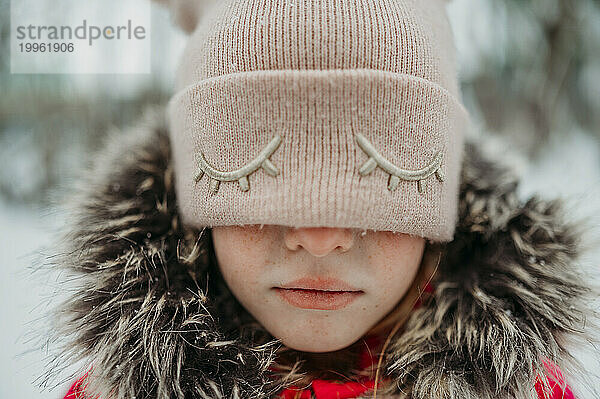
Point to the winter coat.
(152, 316)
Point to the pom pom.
(186, 13)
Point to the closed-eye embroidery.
(241, 174)
(396, 173)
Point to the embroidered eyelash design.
(396, 173)
(241, 174)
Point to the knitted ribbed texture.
(317, 73)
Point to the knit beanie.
(338, 113)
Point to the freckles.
(380, 243)
(246, 236)
(389, 267)
(383, 268)
(321, 332)
(388, 248)
(250, 246)
(248, 242)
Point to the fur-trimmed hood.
(153, 317)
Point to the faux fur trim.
(509, 292)
(154, 319)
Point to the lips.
(320, 284)
(320, 293)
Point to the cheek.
(396, 261)
(240, 256)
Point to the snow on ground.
(23, 294)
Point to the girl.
(304, 222)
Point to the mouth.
(320, 284)
(321, 294)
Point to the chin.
(318, 343)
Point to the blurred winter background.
(530, 72)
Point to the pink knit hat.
(318, 113)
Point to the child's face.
(378, 267)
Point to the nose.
(319, 241)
